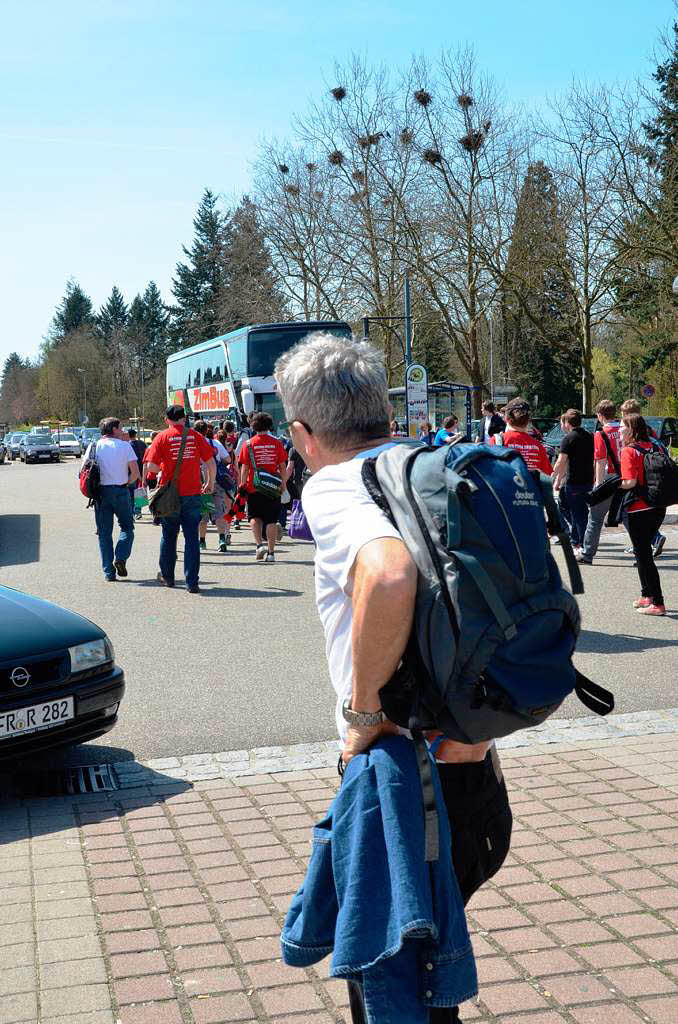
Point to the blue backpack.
(490, 650)
(494, 629)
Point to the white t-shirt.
(343, 518)
(221, 452)
(113, 456)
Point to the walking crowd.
(220, 477)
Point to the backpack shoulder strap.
(368, 473)
(611, 454)
(556, 529)
(250, 449)
(180, 457)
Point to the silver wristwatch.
(361, 717)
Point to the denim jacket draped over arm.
(391, 920)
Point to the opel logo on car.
(20, 676)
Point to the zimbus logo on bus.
(210, 399)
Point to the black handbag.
(166, 503)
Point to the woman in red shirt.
(643, 519)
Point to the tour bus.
(232, 375)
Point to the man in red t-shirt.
(518, 436)
(162, 458)
(268, 454)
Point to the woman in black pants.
(643, 519)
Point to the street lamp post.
(84, 384)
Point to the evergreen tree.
(112, 325)
(113, 314)
(18, 402)
(539, 353)
(156, 323)
(251, 289)
(148, 340)
(644, 287)
(199, 282)
(74, 311)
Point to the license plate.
(43, 455)
(36, 717)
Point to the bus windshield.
(265, 346)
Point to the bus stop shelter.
(445, 398)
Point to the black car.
(666, 429)
(38, 448)
(12, 442)
(59, 683)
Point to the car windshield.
(33, 439)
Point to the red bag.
(90, 478)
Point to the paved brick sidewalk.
(163, 905)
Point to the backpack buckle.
(480, 694)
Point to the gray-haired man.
(335, 396)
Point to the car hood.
(30, 626)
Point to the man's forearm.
(385, 585)
(601, 466)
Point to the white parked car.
(68, 444)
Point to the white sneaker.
(270, 557)
(260, 553)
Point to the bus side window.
(196, 378)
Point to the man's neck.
(338, 455)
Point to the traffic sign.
(647, 391)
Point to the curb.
(308, 756)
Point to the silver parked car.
(68, 443)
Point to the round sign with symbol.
(647, 391)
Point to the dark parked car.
(38, 448)
(12, 442)
(59, 683)
(666, 429)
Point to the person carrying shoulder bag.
(177, 454)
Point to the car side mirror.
(247, 397)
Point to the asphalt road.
(243, 664)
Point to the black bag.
(165, 503)
(661, 477)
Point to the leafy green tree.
(75, 310)
(540, 353)
(200, 280)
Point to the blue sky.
(117, 114)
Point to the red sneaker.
(653, 609)
(642, 602)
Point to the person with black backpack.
(335, 396)
(651, 479)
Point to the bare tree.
(587, 168)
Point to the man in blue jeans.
(118, 469)
(574, 472)
(162, 458)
